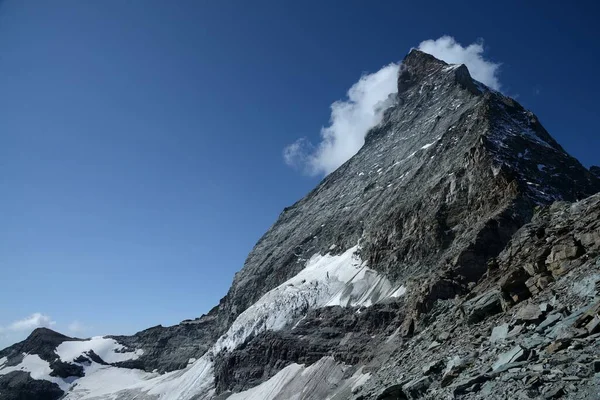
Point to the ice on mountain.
(107, 349)
(37, 369)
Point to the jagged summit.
(418, 66)
(421, 61)
(382, 253)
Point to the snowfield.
(315, 382)
(327, 280)
(108, 350)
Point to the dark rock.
(392, 393)
(18, 385)
(417, 388)
(170, 348)
(433, 367)
(555, 393)
(558, 345)
(65, 370)
(483, 306)
(462, 386)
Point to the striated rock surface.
(455, 255)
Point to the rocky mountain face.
(456, 255)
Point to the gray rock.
(531, 312)
(462, 386)
(434, 345)
(517, 353)
(555, 393)
(499, 333)
(433, 367)
(548, 322)
(482, 306)
(417, 388)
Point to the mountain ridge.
(425, 207)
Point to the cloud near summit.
(36, 320)
(366, 101)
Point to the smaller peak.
(46, 335)
(43, 331)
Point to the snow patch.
(271, 388)
(322, 380)
(399, 292)
(38, 369)
(108, 350)
(451, 67)
(361, 380)
(325, 281)
(104, 380)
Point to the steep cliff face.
(405, 238)
(450, 174)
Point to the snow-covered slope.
(327, 280)
(323, 380)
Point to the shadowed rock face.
(170, 348)
(439, 197)
(18, 385)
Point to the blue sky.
(141, 149)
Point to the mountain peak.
(46, 335)
(419, 59)
(418, 66)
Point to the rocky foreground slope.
(456, 255)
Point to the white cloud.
(349, 122)
(449, 50)
(36, 320)
(76, 327)
(18, 330)
(368, 98)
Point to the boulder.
(417, 388)
(515, 354)
(483, 306)
(499, 333)
(531, 312)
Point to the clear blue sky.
(141, 141)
